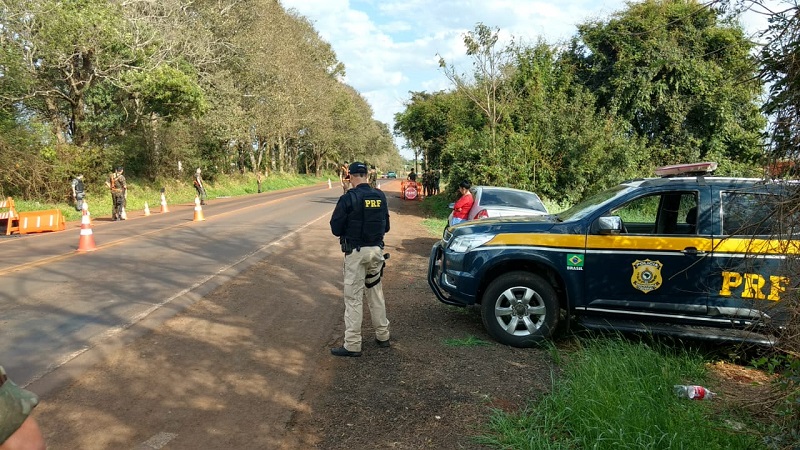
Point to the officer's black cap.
(358, 167)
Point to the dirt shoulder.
(423, 392)
(248, 366)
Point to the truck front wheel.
(520, 309)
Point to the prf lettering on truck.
(754, 285)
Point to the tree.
(682, 79)
(489, 61)
(780, 59)
(424, 125)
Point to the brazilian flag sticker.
(574, 261)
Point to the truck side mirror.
(609, 225)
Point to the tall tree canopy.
(660, 82)
(226, 85)
(680, 76)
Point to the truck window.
(751, 214)
(665, 213)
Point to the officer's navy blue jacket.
(362, 216)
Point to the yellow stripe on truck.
(539, 240)
(645, 243)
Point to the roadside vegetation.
(176, 192)
(165, 87)
(615, 393)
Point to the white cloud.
(389, 47)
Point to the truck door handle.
(692, 251)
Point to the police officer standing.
(360, 220)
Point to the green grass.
(617, 394)
(469, 341)
(176, 192)
(436, 211)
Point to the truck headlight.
(467, 242)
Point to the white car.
(492, 201)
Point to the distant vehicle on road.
(391, 175)
(493, 202)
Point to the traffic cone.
(329, 183)
(86, 242)
(146, 209)
(85, 210)
(198, 210)
(164, 207)
(123, 215)
(378, 185)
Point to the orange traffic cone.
(164, 207)
(146, 209)
(86, 242)
(198, 210)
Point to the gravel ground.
(423, 392)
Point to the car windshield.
(516, 199)
(585, 207)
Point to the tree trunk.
(55, 122)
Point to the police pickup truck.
(684, 254)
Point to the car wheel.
(520, 309)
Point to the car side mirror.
(609, 225)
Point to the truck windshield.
(592, 203)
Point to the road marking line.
(72, 254)
(116, 330)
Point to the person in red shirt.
(463, 204)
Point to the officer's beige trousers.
(357, 265)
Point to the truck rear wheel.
(520, 309)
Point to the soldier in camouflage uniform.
(118, 192)
(17, 429)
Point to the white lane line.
(111, 332)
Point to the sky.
(391, 47)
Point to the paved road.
(58, 303)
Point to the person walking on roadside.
(373, 177)
(360, 220)
(78, 192)
(464, 203)
(201, 188)
(119, 190)
(344, 177)
(18, 430)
